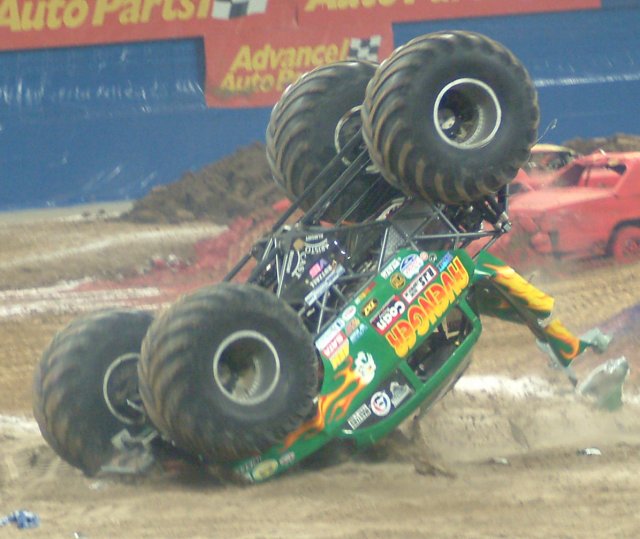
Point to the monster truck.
(342, 322)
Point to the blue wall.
(110, 122)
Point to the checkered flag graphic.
(232, 9)
(365, 48)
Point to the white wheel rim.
(347, 121)
(467, 114)
(246, 367)
(106, 394)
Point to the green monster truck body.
(347, 319)
(402, 342)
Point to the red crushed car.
(588, 208)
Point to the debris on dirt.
(620, 142)
(424, 466)
(501, 461)
(237, 185)
(518, 435)
(604, 384)
(22, 519)
(590, 452)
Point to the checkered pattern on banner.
(231, 9)
(365, 48)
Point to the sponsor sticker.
(349, 313)
(410, 265)
(399, 392)
(337, 350)
(388, 270)
(352, 325)
(362, 295)
(265, 469)
(329, 333)
(295, 263)
(369, 307)
(390, 312)
(315, 270)
(358, 332)
(365, 367)
(248, 465)
(287, 459)
(359, 416)
(325, 280)
(445, 261)
(319, 272)
(315, 244)
(397, 281)
(334, 344)
(380, 403)
(419, 283)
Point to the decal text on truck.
(428, 308)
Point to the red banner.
(253, 70)
(314, 11)
(254, 48)
(29, 24)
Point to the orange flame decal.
(566, 343)
(519, 287)
(332, 406)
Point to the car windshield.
(548, 160)
(603, 176)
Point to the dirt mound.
(237, 185)
(620, 142)
(241, 184)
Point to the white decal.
(359, 417)
(390, 268)
(365, 367)
(399, 392)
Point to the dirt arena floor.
(502, 455)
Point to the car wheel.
(625, 246)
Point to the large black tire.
(82, 382)
(450, 117)
(227, 372)
(301, 136)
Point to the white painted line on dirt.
(43, 291)
(126, 239)
(64, 298)
(18, 423)
(515, 387)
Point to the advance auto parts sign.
(255, 69)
